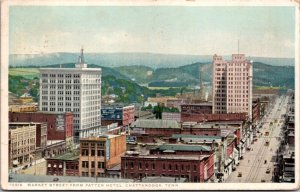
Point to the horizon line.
(148, 53)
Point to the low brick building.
(194, 168)
(171, 116)
(147, 130)
(194, 117)
(181, 149)
(65, 165)
(197, 108)
(59, 125)
(97, 154)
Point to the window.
(170, 167)
(100, 153)
(153, 166)
(93, 164)
(100, 165)
(195, 167)
(93, 152)
(140, 165)
(84, 152)
(164, 166)
(85, 164)
(146, 165)
(176, 167)
(132, 165)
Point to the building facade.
(123, 115)
(23, 108)
(65, 165)
(22, 143)
(197, 108)
(97, 154)
(76, 90)
(194, 168)
(59, 124)
(232, 85)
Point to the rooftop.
(177, 157)
(156, 123)
(91, 138)
(207, 137)
(198, 104)
(46, 112)
(182, 147)
(142, 114)
(66, 157)
(69, 69)
(114, 106)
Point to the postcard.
(149, 95)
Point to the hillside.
(30, 72)
(153, 60)
(139, 73)
(263, 74)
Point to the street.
(257, 164)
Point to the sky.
(193, 30)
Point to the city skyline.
(261, 31)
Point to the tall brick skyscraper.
(232, 85)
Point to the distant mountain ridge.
(153, 60)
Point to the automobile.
(240, 174)
(268, 170)
(263, 181)
(55, 179)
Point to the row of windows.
(100, 165)
(220, 95)
(60, 109)
(237, 78)
(237, 83)
(165, 166)
(85, 152)
(223, 108)
(238, 104)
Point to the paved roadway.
(253, 166)
(38, 169)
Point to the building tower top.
(81, 63)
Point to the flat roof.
(179, 157)
(45, 112)
(176, 136)
(70, 69)
(50, 178)
(183, 147)
(156, 123)
(66, 157)
(25, 123)
(91, 138)
(198, 104)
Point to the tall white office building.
(76, 90)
